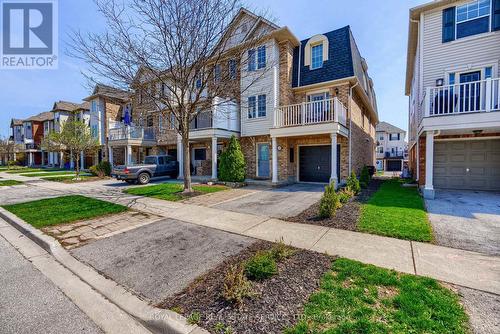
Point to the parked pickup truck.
(154, 165)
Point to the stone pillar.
(333, 175)
(214, 158)
(82, 160)
(128, 154)
(429, 165)
(180, 157)
(110, 155)
(275, 159)
(15, 157)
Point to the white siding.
(264, 81)
(466, 53)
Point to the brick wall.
(362, 136)
(286, 95)
(249, 149)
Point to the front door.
(263, 160)
(470, 91)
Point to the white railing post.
(335, 109)
(303, 113)
(489, 100)
(427, 104)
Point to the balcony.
(221, 121)
(132, 135)
(470, 97)
(315, 117)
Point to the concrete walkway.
(465, 268)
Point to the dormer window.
(316, 52)
(317, 56)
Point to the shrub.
(364, 178)
(236, 285)
(262, 265)
(232, 163)
(105, 167)
(94, 171)
(280, 251)
(220, 328)
(329, 202)
(11, 163)
(353, 183)
(345, 195)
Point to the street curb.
(154, 319)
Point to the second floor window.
(232, 69)
(251, 60)
(217, 73)
(380, 149)
(317, 56)
(261, 57)
(394, 136)
(261, 107)
(252, 107)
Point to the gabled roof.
(16, 121)
(83, 106)
(65, 106)
(41, 117)
(389, 128)
(105, 91)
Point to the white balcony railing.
(131, 132)
(477, 96)
(314, 112)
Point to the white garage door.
(467, 164)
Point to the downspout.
(350, 126)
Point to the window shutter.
(496, 15)
(449, 24)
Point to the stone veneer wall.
(362, 137)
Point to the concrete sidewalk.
(465, 268)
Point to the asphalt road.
(31, 304)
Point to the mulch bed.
(278, 302)
(346, 218)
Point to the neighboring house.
(33, 132)
(391, 150)
(452, 79)
(109, 107)
(307, 98)
(63, 111)
(17, 138)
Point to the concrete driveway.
(276, 202)
(467, 220)
(160, 259)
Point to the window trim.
(264, 52)
(264, 96)
(312, 67)
(252, 105)
(490, 21)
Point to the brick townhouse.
(309, 117)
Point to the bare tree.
(178, 55)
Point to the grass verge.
(171, 191)
(359, 298)
(70, 178)
(41, 174)
(28, 170)
(60, 210)
(5, 183)
(396, 211)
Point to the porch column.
(128, 154)
(43, 158)
(110, 155)
(180, 157)
(61, 160)
(31, 158)
(214, 158)
(15, 157)
(82, 160)
(275, 159)
(429, 165)
(333, 175)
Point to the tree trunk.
(186, 165)
(77, 166)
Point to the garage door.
(315, 163)
(394, 165)
(468, 164)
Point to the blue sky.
(380, 29)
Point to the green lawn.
(170, 191)
(28, 170)
(396, 211)
(9, 183)
(69, 173)
(69, 178)
(359, 298)
(60, 210)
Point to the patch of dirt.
(385, 292)
(278, 302)
(346, 218)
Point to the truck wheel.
(143, 178)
